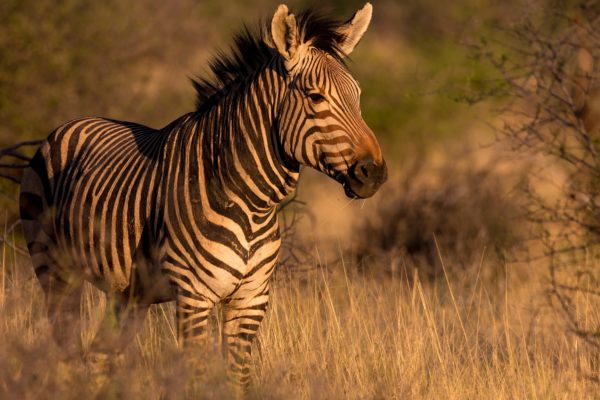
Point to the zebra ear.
(284, 33)
(354, 29)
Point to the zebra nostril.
(364, 170)
(367, 171)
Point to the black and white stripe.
(188, 212)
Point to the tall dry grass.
(335, 334)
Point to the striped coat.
(188, 212)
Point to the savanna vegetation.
(472, 274)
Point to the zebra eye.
(316, 97)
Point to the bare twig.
(14, 151)
(554, 92)
(18, 249)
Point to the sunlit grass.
(333, 334)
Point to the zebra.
(189, 212)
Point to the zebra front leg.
(192, 311)
(242, 315)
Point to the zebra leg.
(122, 320)
(63, 298)
(242, 315)
(192, 312)
(192, 318)
(62, 287)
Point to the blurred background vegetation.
(423, 66)
(131, 60)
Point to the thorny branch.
(552, 78)
(294, 255)
(17, 249)
(13, 158)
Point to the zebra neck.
(240, 148)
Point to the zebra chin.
(363, 179)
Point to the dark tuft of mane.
(249, 53)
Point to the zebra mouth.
(348, 184)
(362, 179)
(349, 192)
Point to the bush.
(458, 216)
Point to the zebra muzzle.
(364, 178)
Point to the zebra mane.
(250, 52)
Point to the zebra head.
(320, 121)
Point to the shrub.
(459, 215)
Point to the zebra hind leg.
(61, 286)
(63, 298)
(122, 320)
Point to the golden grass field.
(330, 333)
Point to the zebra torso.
(130, 206)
